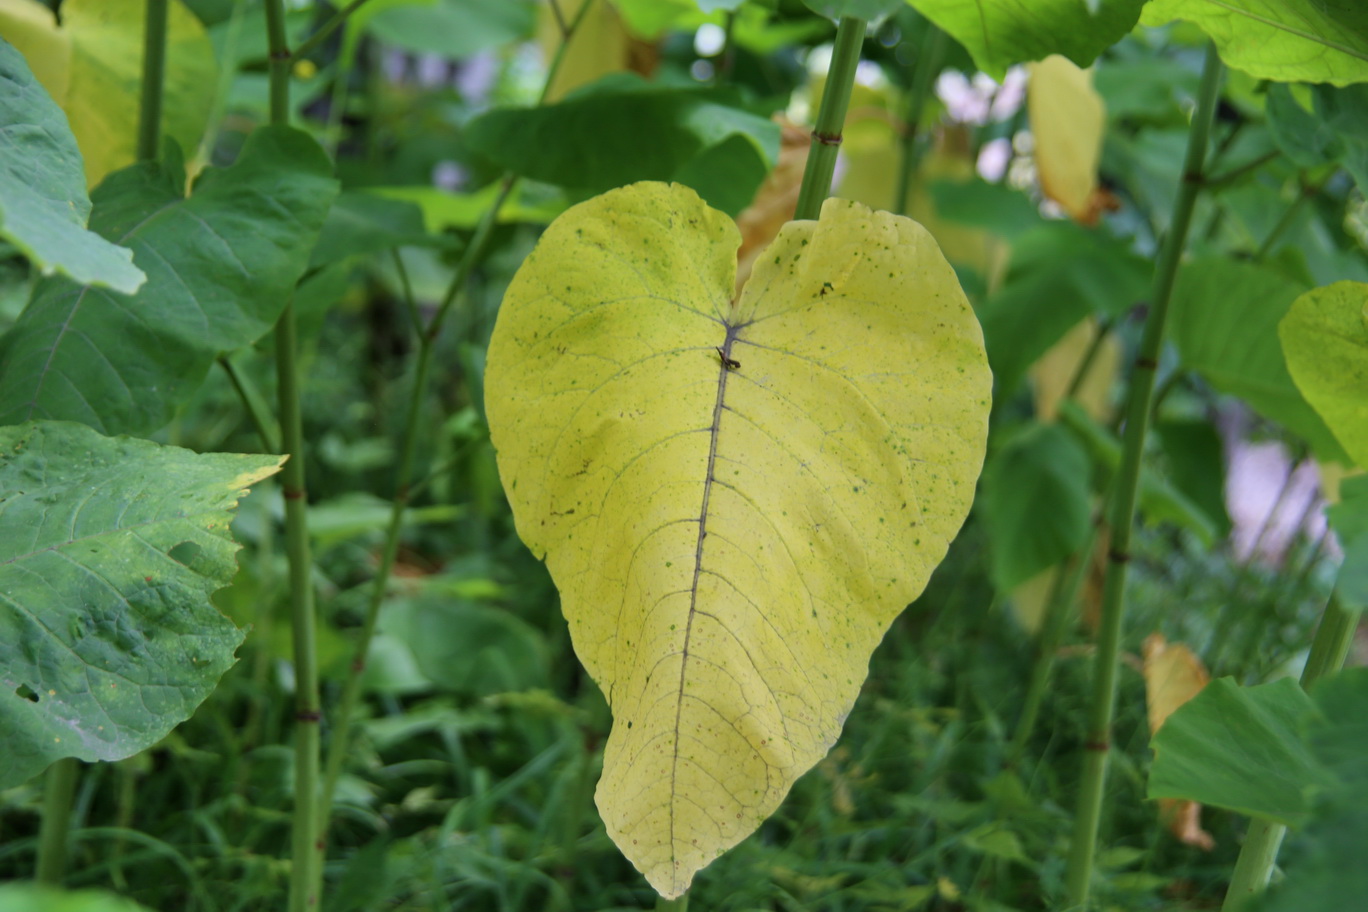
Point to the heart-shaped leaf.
(109, 551)
(736, 494)
(1325, 341)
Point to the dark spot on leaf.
(23, 690)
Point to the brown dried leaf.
(1174, 675)
(775, 200)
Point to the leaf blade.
(686, 507)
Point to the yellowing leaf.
(1053, 374)
(599, 46)
(1174, 675)
(92, 67)
(731, 531)
(1067, 120)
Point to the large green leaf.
(32, 897)
(1059, 274)
(869, 10)
(1240, 748)
(621, 130)
(109, 551)
(1225, 319)
(1160, 501)
(735, 494)
(1036, 493)
(1325, 340)
(92, 67)
(43, 202)
(1274, 752)
(999, 33)
(452, 28)
(220, 265)
(1282, 40)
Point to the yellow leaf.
(1055, 371)
(92, 67)
(1173, 675)
(599, 46)
(1067, 118)
(732, 531)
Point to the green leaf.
(1300, 135)
(997, 208)
(1059, 274)
(999, 33)
(621, 130)
(442, 210)
(452, 28)
(1325, 341)
(92, 66)
(1035, 502)
(733, 531)
(43, 202)
(1240, 748)
(1225, 318)
(869, 10)
(1195, 455)
(1349, 519)
(1282, 40)
(32, 897)
(361, 222)
(470, 649)
(109, 551)
(1159, 500)
(220, 266)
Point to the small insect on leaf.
(730, 364)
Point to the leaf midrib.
(723, 372)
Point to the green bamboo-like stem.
(310, 44)
(1260, 850)
(153, 80)
(252, 401)
(306, 873)
(826, 134)
(58, 786)
(1089, 813)
(924, 69)
(1058, 612)
(427, 336)
(340, 735)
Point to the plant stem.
(826, 134)
(1089, 813)
(924, 69)
(1260, 850)
(1063, 597)
(1288, 217)
(427, 336)
(310, 44)
(306, 846)
(153, 79)
(672, 905)
(261, 419)
(351, 690)
(58, 786)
